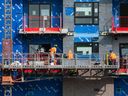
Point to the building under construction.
(88, 29)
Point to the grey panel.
(83, 20)
(34, 12)
(34, 15)
(68, 44)
(45, 16)
(39, 15)
(33, 23)
(105, 16)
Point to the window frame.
(90, 17)
(39, 4)
(86, 44)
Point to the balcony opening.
(123, 15)
(39, 48)
(39, 53)
(43, 17)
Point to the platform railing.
(44, 61)
(117, 24)
(41, 22)
(43, 25)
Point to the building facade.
(89, 28)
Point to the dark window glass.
(39, 15)
(86, 13)
(86, 48)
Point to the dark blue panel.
(86, 0)
(46, 87)
(115, 10)
(1, 22)
(121, 87)
(39, 39)
(57, 11)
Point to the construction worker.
(52, 54)
(112, 58)
(70, 55)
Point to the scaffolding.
(27, 63)
(7, 48)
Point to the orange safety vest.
(53, 50)
(112, 56)
(70, 55)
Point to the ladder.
(7, 41)
(7, 46)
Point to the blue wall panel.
(48, 87)
(86, 0)
(86, 29)
(1, 22)
(121, 87)
(57, 10)
(39, 39)
(69, 11)
(86, 33)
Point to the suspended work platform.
(43, 61)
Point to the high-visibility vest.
(70, 55)
(53, 50)
(112, 56)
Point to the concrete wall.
(105, 44)
(105, 14)
(80, 87)
(105, 21)
(68, 44)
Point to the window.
(39, 15)
(86, 13)
(86, 48)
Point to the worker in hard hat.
(52, 54)
(70, 55)
(112, 58)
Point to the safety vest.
(70, 55)
(53, 50)
(112, 56)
